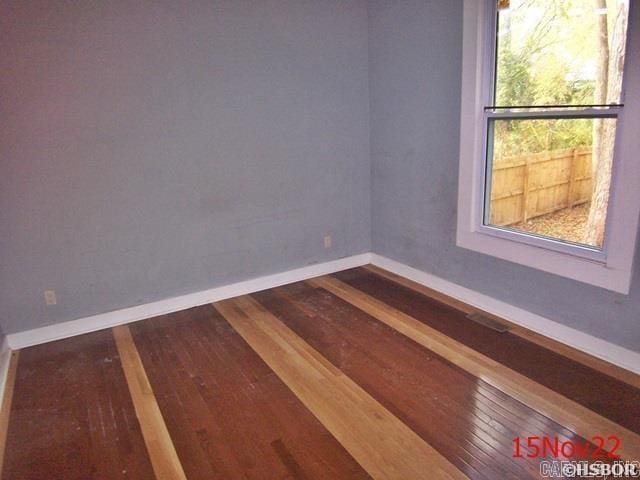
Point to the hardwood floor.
(381, 443)
(229, 415)
(615, 399)
(354, 375)
(548, 344)
(72, 416)
(582, 420)
(160, 447)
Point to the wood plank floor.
(229, 415)
(72, 416)
(354, 375)
(613, 399)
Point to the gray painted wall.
(414, 57)
(154, 148)
(150, 149)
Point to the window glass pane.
(550, 177)
(560, 52)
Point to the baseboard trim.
(5, 361)
(162, 307)
(594, 346)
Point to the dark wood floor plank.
(228, 414)
(72, 416)
(601, 393)
(469, 422)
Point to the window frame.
(611, 267)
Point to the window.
(550, 98)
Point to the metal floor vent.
(488, 322)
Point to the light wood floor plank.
(7, 399)
(384, 446)
(589, 360)
(560, 409)
(164, 459)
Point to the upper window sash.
(490, 67)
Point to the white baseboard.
(597, 347)
(5, 360)
(162, 307)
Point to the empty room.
(319, 239)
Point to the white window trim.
(611, 269)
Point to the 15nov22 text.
(537, 446)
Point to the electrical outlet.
(50, 297)
(328, 241)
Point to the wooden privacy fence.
(529, 186)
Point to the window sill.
(577, 268)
